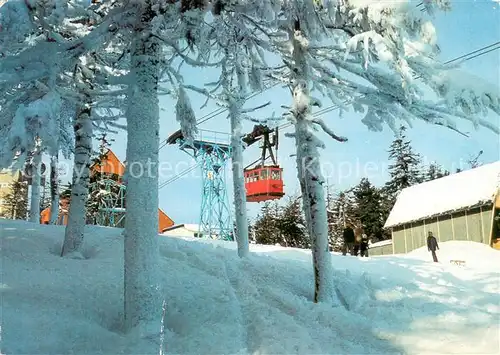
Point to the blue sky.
(469, 26)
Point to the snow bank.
(218, 303)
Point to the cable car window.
(264, 174)
(275, 175)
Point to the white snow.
(449, 193)
(217, 303)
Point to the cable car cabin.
(264, 183)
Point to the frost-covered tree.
(50, 91)
(341, 211)
(242, 64)
(405, 169)
(379, 58)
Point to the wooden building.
(462, 206)
(384, 247)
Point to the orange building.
(110, 165)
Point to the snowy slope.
(219, 304)
(446, 194)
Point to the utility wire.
(178, 176)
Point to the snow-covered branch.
(328, 131)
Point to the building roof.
(187, 226)
(110, 165)
(458, 191)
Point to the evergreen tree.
(283, 225)
(435, 171)
(66, 192)
(405, 170)
(341, 210)
(16, 201)
(103, 187)
(369, 208)
(265, 227)
(291, 225)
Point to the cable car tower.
(211, 150)
(264, 181)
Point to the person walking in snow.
(432, 245)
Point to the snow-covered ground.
(219, 304)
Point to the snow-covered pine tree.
(55, 49)
(95, 183)
(242, 66)
(405, 169)
(375, 56)
(307, 144)
(435, 171)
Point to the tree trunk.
(141, 294)
(35, 187)
(314, 206)
(238, 180)
(310, 177)
(73, 236)
(54, 190)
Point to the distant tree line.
(363, 205)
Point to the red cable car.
(264, 182)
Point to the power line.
(178, 176)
